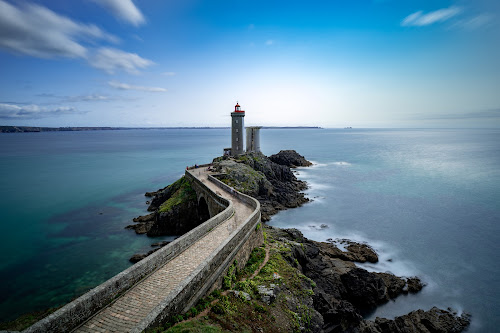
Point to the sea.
(427, 200)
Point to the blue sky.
(363, 63)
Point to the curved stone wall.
(78, 311)
(196, 285)
(206, 275)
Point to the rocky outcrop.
(355, 251)
(433, 321)
(289, 158)
(174, 211)
(344, 292)
(273, 184)
(177, 220)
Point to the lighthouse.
(237, 144)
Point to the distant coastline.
(35, 129)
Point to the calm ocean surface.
(429, 200)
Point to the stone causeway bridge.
(172, 279)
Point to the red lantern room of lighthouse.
(237, 108)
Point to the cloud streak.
(33, 111)
(36, 31)
(420, 19)
(78, 98)
(475, 22)
(88, 98)
(110, 60)
(125, 86)
(124, 10)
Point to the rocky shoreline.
(341, 292)
(268, 179)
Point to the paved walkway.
(128, 310)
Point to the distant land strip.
(25, 129)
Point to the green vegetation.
(224, 306)
(254, 261)
(230, 277)
(289, 312)
(183, 193)
(248, 286)
(244, 179)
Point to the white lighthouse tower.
(237, 143)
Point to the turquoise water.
(426, 199)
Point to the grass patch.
(254, 261)
(230, 277)
(183, 193)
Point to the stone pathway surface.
(129, 309)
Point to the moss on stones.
(183, 193)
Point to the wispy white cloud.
(475, 22)
(37, 31)
(125, 86)
(78, 98)
(420, 19)
(269, 42)
(88, 98)
(125, 10)
(33, 111)
(111, 60)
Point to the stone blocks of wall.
(200, 281)
(215, 203)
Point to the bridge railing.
(199, 282)
(78, 311)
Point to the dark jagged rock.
(433, 321)
(152, 194)
(355, 251)
(137, 257)
(274, 185)
(344, 292)
(176, 221)
(141, 227)
(160, 244)
(395, 285)
(175, 211)
(414, 285)
(290, 158)
(364, 290)
(145, 218)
